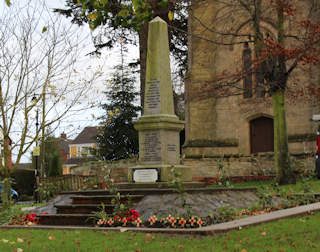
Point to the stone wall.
(206, 166)
(214, 121)
(119, 169)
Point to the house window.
(247, 66)
(73, 151)
(85, 151)
(259, 81)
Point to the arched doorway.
(261, 134)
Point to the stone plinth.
(159, 139)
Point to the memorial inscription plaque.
(145, 175)
(153, 97)
(151, 147)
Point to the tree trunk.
(6, 195)
(43, 168)
(143, 49)
(284, 174)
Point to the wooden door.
(261, 135)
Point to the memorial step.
(152, 191)
(83, 208)
(67, 220)
(122, 187)
(106, 199)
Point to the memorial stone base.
(159, 150)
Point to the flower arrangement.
(124, 218)
(175, 222)
(133, 220)
(28, 219)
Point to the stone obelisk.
(159, 127)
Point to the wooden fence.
(66, 182)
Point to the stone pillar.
(159, 127)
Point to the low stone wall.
(205, 166)
(119, 169)
(261, 164)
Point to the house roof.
(87, 135)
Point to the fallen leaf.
(180, 247)
(19, 250)
(264, 233)
(20, 240)
(243, 250)
(8, 2)
(51, 238)
(5, 241)
(123, 230)
(148, 237)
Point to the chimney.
(63, 135)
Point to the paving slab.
(208, 230)
(263, 218)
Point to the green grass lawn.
(303, 185)
(297, 234)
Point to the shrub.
(23, 181)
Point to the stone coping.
(208, 230)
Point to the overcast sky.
(73, 125)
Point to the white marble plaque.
(152, 100)
(145, 175)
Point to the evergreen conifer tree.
(118, 139)
(52, 157)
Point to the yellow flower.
(117, 111)
(110, 113)
(93, 16)
(170, 15)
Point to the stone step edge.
(209, 230)
(83, 205)
(65, 215)
(105, 196)
(162, 190)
